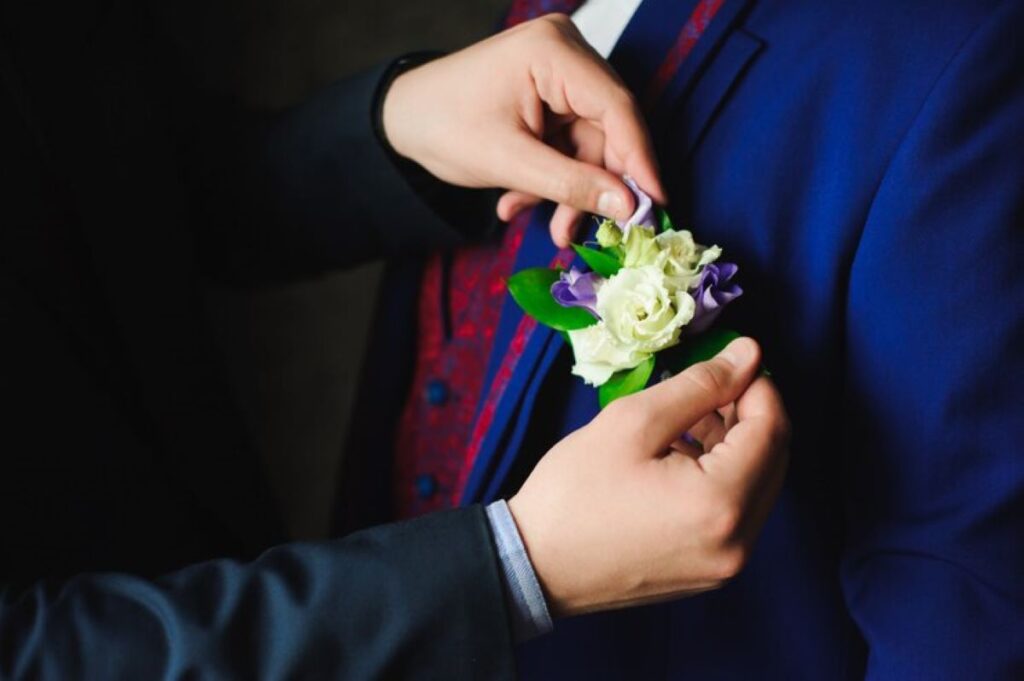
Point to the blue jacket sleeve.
(421, 599)
(933, 566)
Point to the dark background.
(294, 351)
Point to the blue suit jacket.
(863, 163)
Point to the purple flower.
(714, 290)
(575, 289)
(644, 213)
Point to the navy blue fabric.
(522, 418)
(514, 420)
(536, 251)
(349, 609)
(863, 163)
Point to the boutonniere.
(651, 291)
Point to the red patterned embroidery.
(431, 460)
(527, 325)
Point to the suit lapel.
(661, 54)
(519, 344)
(689, 55)
(682, 105)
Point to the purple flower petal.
(644, 213)
(714, 290)
(575, 289)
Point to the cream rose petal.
(640, 247)
(642, 311)
(682, 258)
(599, 355)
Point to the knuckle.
(567, 188)
(707, 377)
(550, 26)
(779, 432)
(724, 523)
(623, 102)
(783, 433)
(730, 561)
(556, 28)
(627, 414)
(615, 410)
(558, 19)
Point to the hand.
(534, 110)
(623, 512)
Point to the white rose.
(599, 355)
(682, 259)
(640, 315)
(641, 311)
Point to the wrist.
(392, 108)
(544, 561)
(528, 610)
(394, 117)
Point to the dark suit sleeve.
(316, 187)
(933, 566)
(415, 600)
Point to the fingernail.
(610, 204)
(740, 352)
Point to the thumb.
(543, 171)
(673, 406)
(756, 445)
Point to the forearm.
(363, 607)
(316, 187)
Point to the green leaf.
(699, 348)
(603, 263)
(664, 220)
(531, 289)
(625, 383)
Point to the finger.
(686, 448)
(728, 414)
(673, 406)
(564, 223)
(512, 203)
(753, 448)
(585, 142)
(628, 146)
(579, 139)
(709, 431)
(578, 81)
(763, 496)
(533, 167)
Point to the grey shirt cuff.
(526, 604)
